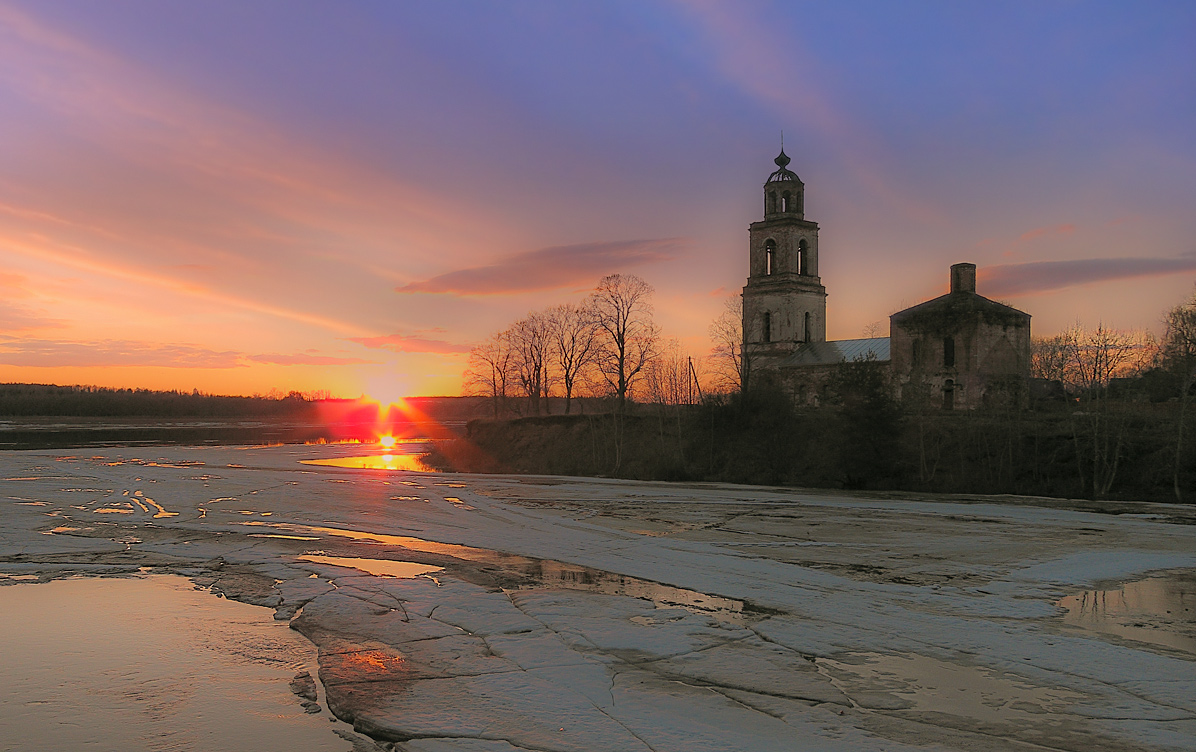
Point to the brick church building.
(960, 350)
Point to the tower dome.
(784, 192)
(783, 173)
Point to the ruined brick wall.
(961, 357)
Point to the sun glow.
(387, 441)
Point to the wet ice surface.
(148, 664)
(566, 614)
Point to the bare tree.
(1049, 357)
(491, 369)
(1103, 354)
(572, 332)
(1177, 353)
(531, 343)
(628, 336)
(668, 379)
(726, 332)
(1087, 359)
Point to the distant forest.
(49, 400)
(26, 400)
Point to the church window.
(803, 257)
(806, 328)
(767, 326)
(770, 257)
(785, 201)
(948, 395)
(770, 204)
(948, 352)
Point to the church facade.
(960, 350)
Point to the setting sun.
(387, 441)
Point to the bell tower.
(784, 302)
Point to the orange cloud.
(410, 344)
(549, 268)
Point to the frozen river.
(499, 614)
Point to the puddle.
(546, 573)
(920, 684)
(284, 537)
(406, 462)
(150, 663)
(379, 567)
(1157, 610)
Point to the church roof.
(838, 351)
(957, 306)
(783, 173)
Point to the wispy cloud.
(54, 353)
(14, 318)
(307, 360)
(1044, 276)
(764, 60)
(49, 353)
(549, 268)
(410, 344)
(1042, 232)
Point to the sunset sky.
(246, 196)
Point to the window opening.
(803, 249)
(948, 395)
(770, 257)
(948, 352)
(767, 326)
(806, 328)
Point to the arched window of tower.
(948, 352)
(770, 256)
(767, 326)
(770, 205)
(803, 249)
(785, 201)
(806, 328)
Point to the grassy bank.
(1115, 450)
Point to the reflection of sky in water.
(149, 664)
(546, 573)
(408, 462)
(1159, 610)
(379, 567)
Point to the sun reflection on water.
(405, 462)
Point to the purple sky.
(239, 196)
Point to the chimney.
(963, 278)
